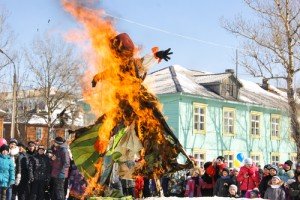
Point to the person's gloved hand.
(164, 54)
(18, 179)
(61, 175)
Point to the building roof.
(176, 79)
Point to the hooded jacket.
(251, 181)
(7, 171)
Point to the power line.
(171, 33)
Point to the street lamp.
(14, 111)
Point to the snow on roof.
(35, 119)
(176, 79)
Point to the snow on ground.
(202, 198)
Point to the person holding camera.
(285, 171)
(248, 176)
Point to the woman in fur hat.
(276, 191)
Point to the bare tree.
(55, 69)
(271, 48)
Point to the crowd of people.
(37, 173)
(274, 182)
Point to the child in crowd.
(276, 191)
(223, 183)
(233, 191)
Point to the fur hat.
(234, 187)
(248, 161)
(13, 140)
(289, 163)
(4, 147)
(59, 140)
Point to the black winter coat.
(294, 191)
(24, 162)
(264, 184)
(39, 168)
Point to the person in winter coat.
(276, 191)
(14, 154)
(23, 187)
(286, 172)
(248, 176)
(77, 183)
(193, 184)
(294, 189)
(207, 186)
(39, 174)
(222, 185)
(215, 169)
(233, 191)
(269, 172)
(7, 171)
(60, 164)
(31, 148)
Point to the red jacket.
(190, 188)
(250, 182)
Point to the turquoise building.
(216, 114)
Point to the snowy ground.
(202, 198)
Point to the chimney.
(231, 71)
(265, 83)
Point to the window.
(274, 158)
(229, 156)
(256, 158)
(229, 89)
(228, 120)
(275, 120)
(52, 134)
(255, 123)
(38, 133)
(199, 156)
(293, 157)
(199, 118)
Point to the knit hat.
(234, 187)
(13, 140)
(248, 161)
(267, 166)
(59, 140)
(277, 177)
(274, 167)
(4, 147)
(289, 163)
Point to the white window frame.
(229, 158)
(39, 133)
(256, 158)
(200, 115)
(227, 124)
(275, 161)
(257, 127)
(275, 134)
(201, 158)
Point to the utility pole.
(14, 107)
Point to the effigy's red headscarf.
(123, 44)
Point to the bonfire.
(131, 130)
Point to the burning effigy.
(131, 138)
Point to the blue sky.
(195, 19)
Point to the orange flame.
(118, 89)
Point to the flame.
(119, 94)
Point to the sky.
(190, 28)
